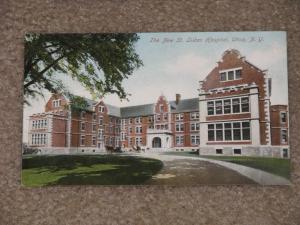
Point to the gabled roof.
(185, 105)
(138, 110)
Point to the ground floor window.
(229, 131)
(285, 153)
(283, 136)
(82, 140)
(179, 140)
(219, 151)
(195, 139)
(237, 151)
(138, 141)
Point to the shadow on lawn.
(93, 169)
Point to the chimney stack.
(178, 97)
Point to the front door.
(156, 142)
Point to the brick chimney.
(178, 97)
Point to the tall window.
(283, 136)
(94, 127)
(94, 140)
(283, 117)
(101, 108)
(211, 108)
(82, 124)
(56, 103)
(229, 131)
(100, 120)
(82, 140)
(82, 114)
(100, 133)
(161, 107)
(138, 129)
(195, 126)
(165, 116)
(94, 116)
(195, 139)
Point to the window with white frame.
(94, 127)
(158, 117)
(150, 119)
(194, 115)
(138, 120)
(82, 140)
(138, 129)
(228, 106)
(283, 136)
(94, 140)
(161, 107)
(195, 139)
(179, 116)
(130, 130)
(123, 136)
(56, 103)
(101, 108)
(130, 120)
(179, 140)
(82, 126)
(94, 116)
(100, 120)
(166, 116)
(229, 131)
(195, 126)
(233, 74)
(179, 127)
(138, 141)
(283, 117)
(100, 133)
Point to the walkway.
(209, 171)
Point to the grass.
(87, 170)
(277, 166)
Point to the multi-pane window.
(82, 140)
(100, 133)
(82, 126)
(130, 130)
(179, 116)
(138, 141)
(283, 117)
(179, 140)
(138, 120)
(283, 136)
(165, 116)
(39, 124)
(194, 115)
(38, 139)
(123, 136)
(228, 106)
(130, 121)
(56, 103)
(101, 108)
(94, 127)
(100, 120)
(138, 129)
(94, 140)
(179, 127)
(195, 139)
(229, 131)
(158, 117)
(195, 126)
(229, 75)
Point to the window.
(101, 108)
(138, 129)
(123, 136)
(138, 120)
(227, 106)
(195, 126)
(161, 107)
(100, 134)
(194, 115)
(283, 136)
(195, 139)
(165, 116)
(229, 131)
(138, 141)
(179, 140)
(150, 119)
(130, 130)
(100, 120)
(283, 117)
(82, 125)
(179, 127)
(235, 105)
(179, 116)
(94, 140)
(158, 117)
(285, 153)
(237, 151)
(56, 103)
(219, 151)
(211, 108)
(245, 104)
(82, 140)
(82, 114)
(33, 124)
(219, 107)
(94, 127)
(229, 75)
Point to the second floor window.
(283, 117)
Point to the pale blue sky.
(176, 67)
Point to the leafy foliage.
(100, 62)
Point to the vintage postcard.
(186, 108)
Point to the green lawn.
(277, 166)
(87, 170)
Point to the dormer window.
(56, 103)
(231, 74)
(101, 108)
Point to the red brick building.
(231, 116)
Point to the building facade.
(231, 116)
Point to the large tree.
(100, 62)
